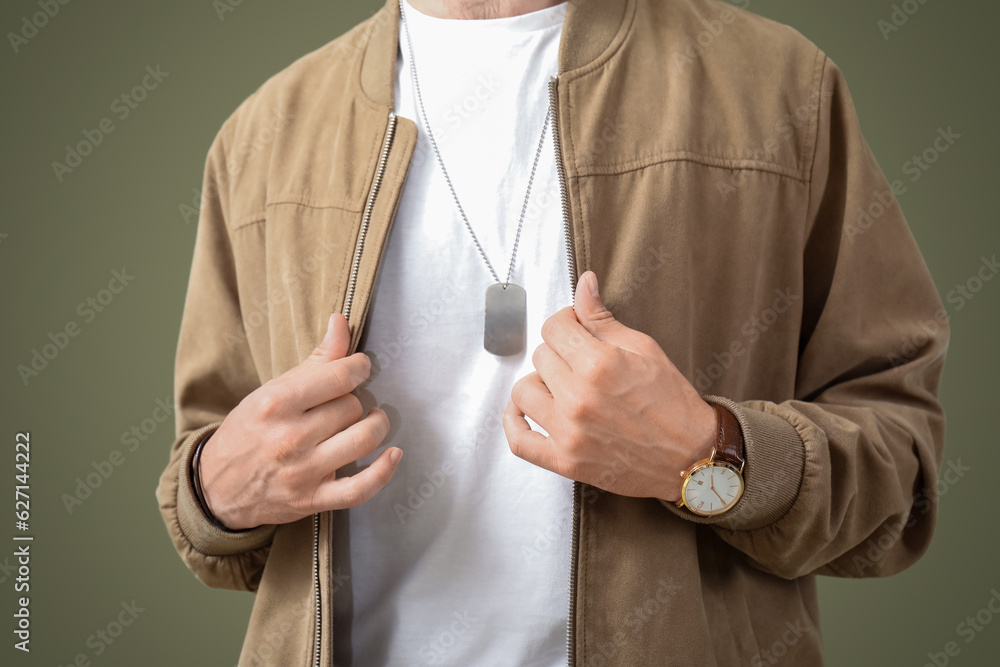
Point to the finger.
(336, 340)
(352, 491)
(553, 369)
(355, 442)
(525, 443)
(317, 383)
(595, 317)
(564, 334)
(532, 398)
(328, 419)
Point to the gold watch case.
(711, 501)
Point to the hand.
(618, 413)
(275, 456)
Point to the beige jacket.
(715, 177)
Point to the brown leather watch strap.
(729, 446)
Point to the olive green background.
(121, 208)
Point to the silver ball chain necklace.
(506, 303)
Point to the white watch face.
(712, 489)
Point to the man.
(638, 450)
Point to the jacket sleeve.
(213, 372)
(842, 479)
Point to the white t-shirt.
(463, 559)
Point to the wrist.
(705, 432)
(198, 487)
(702, 431)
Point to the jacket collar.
(590, 28)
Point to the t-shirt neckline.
(530, 22)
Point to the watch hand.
(711, 479)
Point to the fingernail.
(592, 283)
(329, 325)
(395, 455)
(328, 334)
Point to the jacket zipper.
(363, 232)
(348, 303)
(571, 261)
(318, 606)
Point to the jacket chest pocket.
(292, 273)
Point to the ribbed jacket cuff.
(775, 464)
(197, 527)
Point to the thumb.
(593, 314)
(336, 340)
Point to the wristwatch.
(714, 485)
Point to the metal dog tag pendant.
(506, 311)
